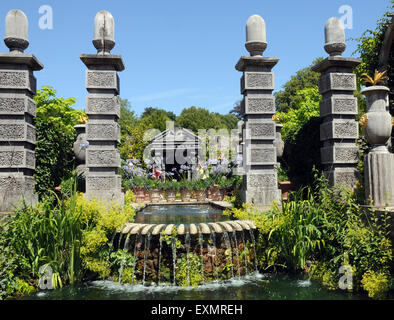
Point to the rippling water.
(252, 287)
(180, 213)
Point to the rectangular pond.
(180, 214)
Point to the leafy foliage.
(301, 134)
(48, 234)
(150, 110)
(369, 47)
(199, 118)
(322, 232)
(70, 235)
(287, 98)
(189, 270)
(377, 78)
(306, 107)
(100, 225)
(56, 135)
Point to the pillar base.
(16, 190)
(262, 196)
(104, 188)
(379, 179)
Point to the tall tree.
(151, 110)
(369, 47)
(287, 98)
(237, 110)
(128, 118)
(198, 118)
(228, 120)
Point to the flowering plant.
(171, 185)
(186, 184)
(154, 184)
(200, 184)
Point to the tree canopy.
(307, 107)
(369, 47)
(287, 98)
(194, 118)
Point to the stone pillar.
(338, 108)
(258, 107)
(17, 112)
(239, 170)
(103, 109)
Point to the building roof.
(175, 138)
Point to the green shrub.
(188, 270)
(56, 135)
(48, 234)
(319, 231)
(100, 225)
(71, 235)
(376, 284)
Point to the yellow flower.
(83, 119)
(275, 118)
(364, 120)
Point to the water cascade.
(156, 249)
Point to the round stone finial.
(256, 41)
(334, 32)
(16, 31)
(104, 32)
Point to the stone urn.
(154, 195)
(279, 143)
(186, 195)
(379, 162)
(139, 194)
(81, 144)
(171, 195)
(200, 195)
(377, 121)
(79, 148)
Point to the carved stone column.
(338, 108)
(103, 109)
(17, 112)
(258, 107)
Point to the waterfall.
(125, 247)
(254, 249)
(173, 260)
(112, 245)
(221, 258)
(245, 255)
(201, 242)
(158, 272)
(228, 245)
(213, 240)
(187, 244)
(137, 249)
(237, 252)
(146, 248)
(119, 241)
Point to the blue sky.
(180, 53)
